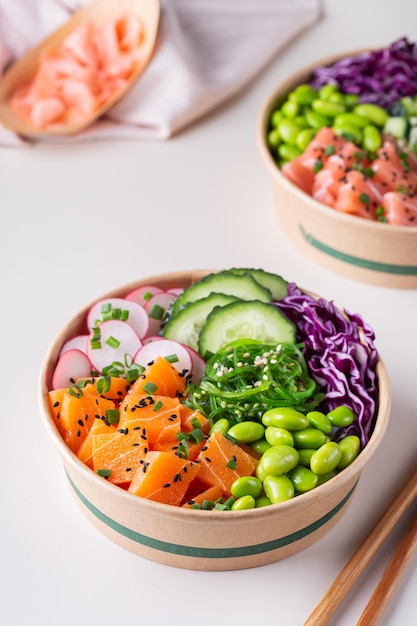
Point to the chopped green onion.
(329, 150)
(124, 315)
(112, 416)
(401, 189)
(318, 165)
(157, 312)
(113, 342)
(75, 391)
(158, 405)
(104, 472)
(150, 387)
(147, 296)
(103, 384)
(172, 358)
(232, 463)
(95, 344)
(106, 307)
(365, 198)
(366, 171)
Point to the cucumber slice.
(255, 320)
(185, 326)
(276, 284)
(242, 286)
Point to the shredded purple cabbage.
(340, 354)
(382, 77)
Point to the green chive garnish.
(112, 416)
(158, 405)
(364, 198)
(318, 165)
(103, 384)
(157, 312)
(95, 344)
(231, 464)
(172, 358)
(147, 296)
(104, 472)
(329, 150)
(150, 387)
(106, 307)
(113, 342)
(75, 391)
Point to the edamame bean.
(350, 118)
(243, 503)
(288, 131)
(319, 420)
(304, 137)
(246, 432)
(303, 478)
(341, 416)
(285, 417)
(278, 460)
(262, 501)
(372, 112)
(326, 458)
(221, 426)
(275, 435)
(327, 108)
(305, 455)
(351, 100)
(327, 90)
(350, 448)
(287, 152)
(246, 486)
(349, 132)
(337, 97)
(316, 120)
(274, 138)
(309, 438)
(323, 478)
(276, 117)
(372, 139)
(290, 108)
(260, 471)
(260, 446)
(301, 121)
(278, 488)
(303, 94)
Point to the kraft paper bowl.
(198, 539)
(354, 247)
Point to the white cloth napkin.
(207, 51)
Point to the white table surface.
(80, 220)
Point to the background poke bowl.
(198, 539)
(365, 250)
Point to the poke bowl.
(200, 428)
(339, 142)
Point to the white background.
(80, 220)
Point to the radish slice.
(118, 342)
(137, 317)
(176, 291)
(73, 364)
(141, 295)
(79, 343)
(150, 338)
(156, 309)
(166, 348)
(198, 365)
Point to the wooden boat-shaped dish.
(24, 69)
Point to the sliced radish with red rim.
(175, 352)
(112, 342)
(198, 365)
(79, 343)
(157, 308)
(141, 295)
(119, 309)
(73, 364)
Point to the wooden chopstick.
(363, 555)
(390, 578)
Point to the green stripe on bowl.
(210, 553)
(387, 268)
